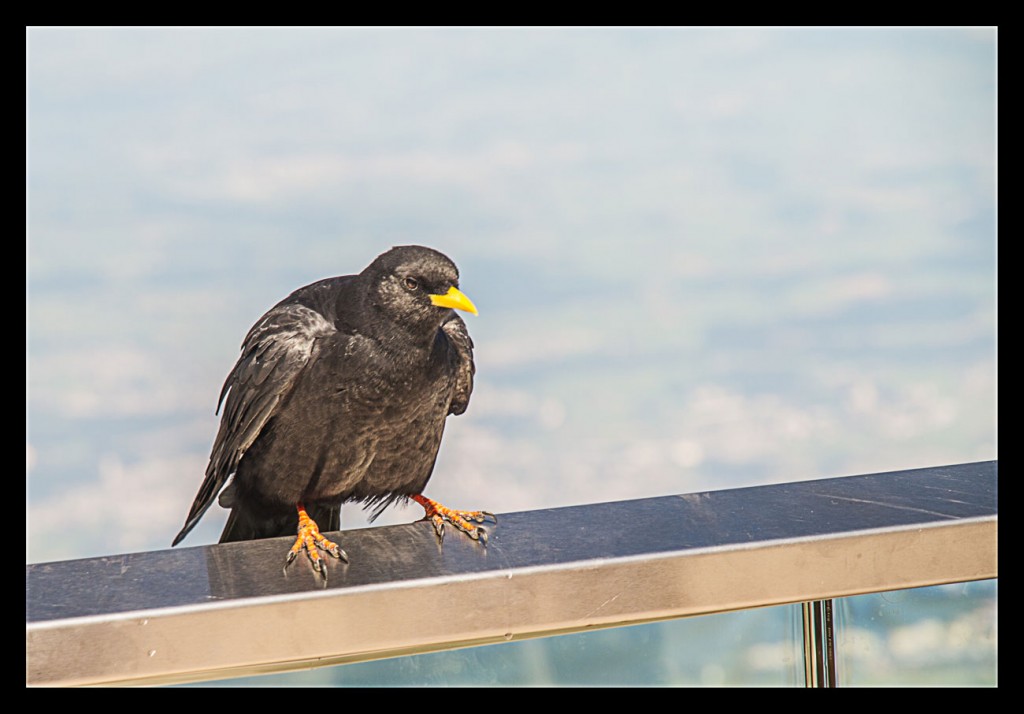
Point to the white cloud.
(129, 507)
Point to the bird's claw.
(310, 546)
(463, 520)
(438, 522)
(475, 532)
(310, 540)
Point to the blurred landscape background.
(703, 258)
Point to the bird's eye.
(411, 284)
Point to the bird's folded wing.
(455, 329)
(274, 353)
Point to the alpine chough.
(341, 394)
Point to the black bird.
(341, 394)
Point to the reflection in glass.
(941, 635)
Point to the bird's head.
(416, 286)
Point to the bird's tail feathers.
(246, 524)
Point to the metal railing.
(216, 611)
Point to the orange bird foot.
(463, 520)
(310, 540)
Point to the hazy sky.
(702, 258)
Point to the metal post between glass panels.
(819, 644)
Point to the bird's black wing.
(457, 333)
(274, 353)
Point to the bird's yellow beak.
(454, 299)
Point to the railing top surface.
(647, 527)
(226, 610)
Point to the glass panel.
(942, 635)
(752, 647)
